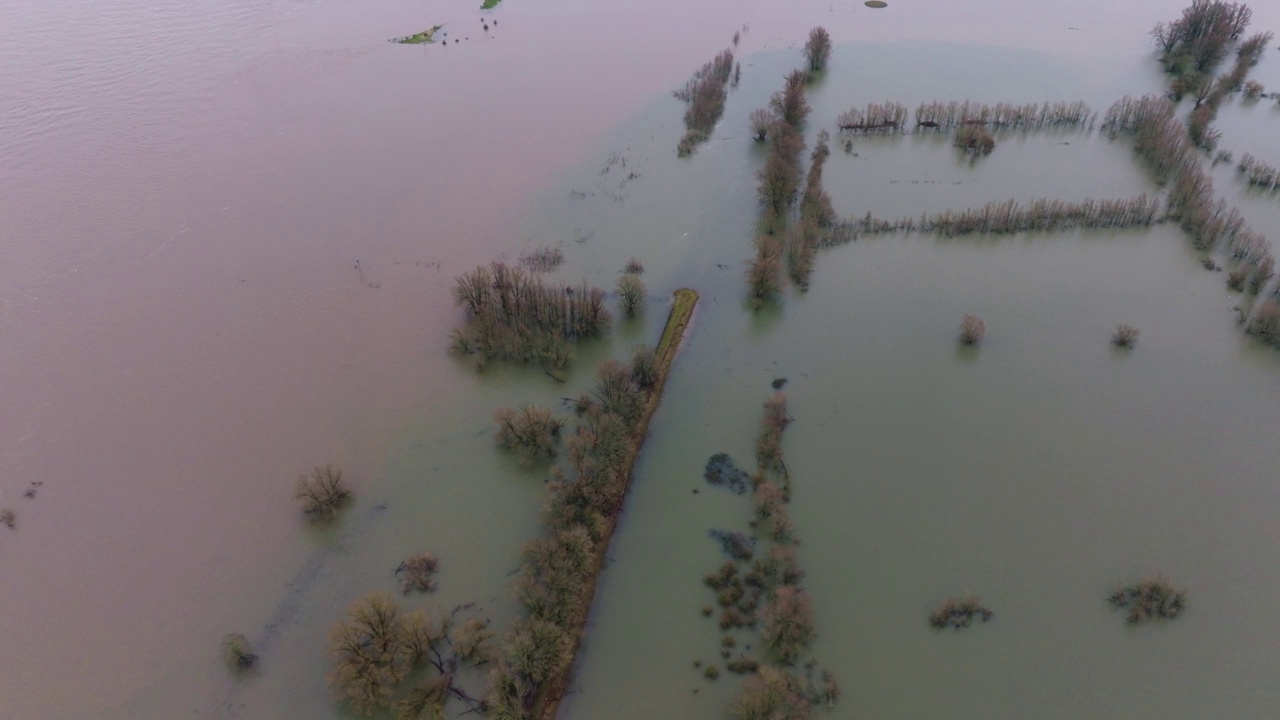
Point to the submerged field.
(188, 342)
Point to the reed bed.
(949, 115)
(514, 315)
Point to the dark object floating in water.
(876, 4)
(778, 383)
(721, 470)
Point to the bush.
(631, 292)
(322, 493)
(972, 330)
(236, 652)
(959, 613)
(633, 267)
(975, 139)
(531, 430)
(789, 624)
(1125, 335)
(470, 639)
(417, 572)
(1149, 598)
(761, 121)
(817, 50)
(644, 367)
(543, 259)
(8, 518)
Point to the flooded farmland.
(232, 237)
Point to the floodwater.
(230, 234)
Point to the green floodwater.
(185, 331)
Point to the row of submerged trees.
(1011, 216)
(760, 590)
(783, 239)
(891, 117)
(705, 94)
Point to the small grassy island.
(423, 38)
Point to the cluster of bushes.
(975, 140)
(886, 117)
(705, 93)
(1010, 216)
(948, 115)
(379, 646)
(558, 571)
(764, 592)
(513, 315)
(959, 614)
(1265, 322)
(1149, 598)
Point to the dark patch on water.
(735, 544)
(721, 470)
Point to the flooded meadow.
(234, 235)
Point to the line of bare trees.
(1011, 216)
(948, 115)
(705, 93)
(514, 315)
(1258, 173)
(885, 117)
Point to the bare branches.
(322, 492)
(705, 93)
(817, 49)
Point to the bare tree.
(761, 120)
(817, 50)
(631, 293)
(322, 492)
